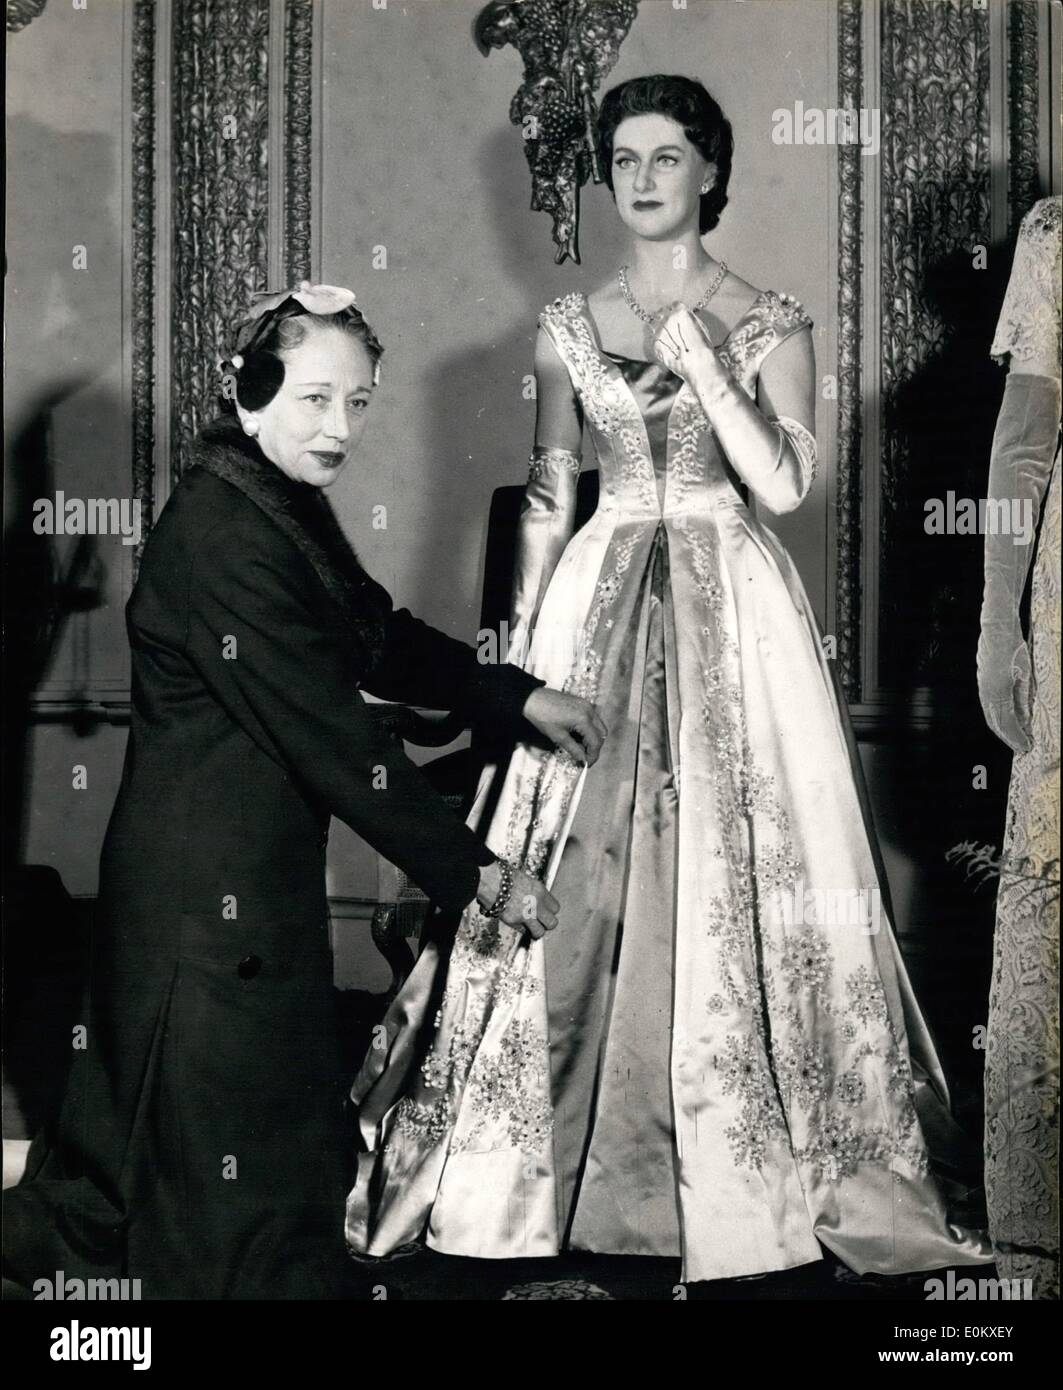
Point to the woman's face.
(313, 424)
(657, 176)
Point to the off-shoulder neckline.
(648, 362)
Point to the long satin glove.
(774, 456)
(1024, 446)
(547, 519)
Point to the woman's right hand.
(570, 723)
(531, 905)
(682, 345)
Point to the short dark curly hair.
(262, 373)
(688, 104)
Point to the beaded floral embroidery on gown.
(717, 1054)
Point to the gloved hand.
(1004, 683)
(775, 458)
(1024, 446)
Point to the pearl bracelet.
(505, 890)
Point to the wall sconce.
(568, 48)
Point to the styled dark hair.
(260, 377)
(689, 105)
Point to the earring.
(251, 427)
(705, 188)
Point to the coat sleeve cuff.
(461, 893)
(496, 695)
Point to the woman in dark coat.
(201, 1146)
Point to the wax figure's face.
(657, 177)
(313, 424)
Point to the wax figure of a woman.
(704, 1059)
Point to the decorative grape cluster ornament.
(568, 48)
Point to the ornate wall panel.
(220, 173)
(850, 311)
(142, 141)
(211, 79)
(1023, 108)
(920, 282)
(935, 213)
(298, 120)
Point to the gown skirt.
(717, 1054)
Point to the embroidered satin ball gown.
(686, 1066)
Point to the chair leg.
(390, 941)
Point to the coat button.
(249, 967)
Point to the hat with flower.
(267, 306)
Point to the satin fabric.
(686, 1066)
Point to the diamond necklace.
(637, 309)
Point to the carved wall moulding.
(220, 179)
(850, 311)
(142, 327)
(298, 131)
(1024, 135)
(216, 178)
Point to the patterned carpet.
(419, 1274)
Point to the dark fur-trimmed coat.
(201, 1146)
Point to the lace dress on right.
(1022, 1054)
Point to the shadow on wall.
(943, 419)
(46, 932)
(58, 317)
(63, 322)
(476, 402)
(947, 786)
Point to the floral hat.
(267, 306)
